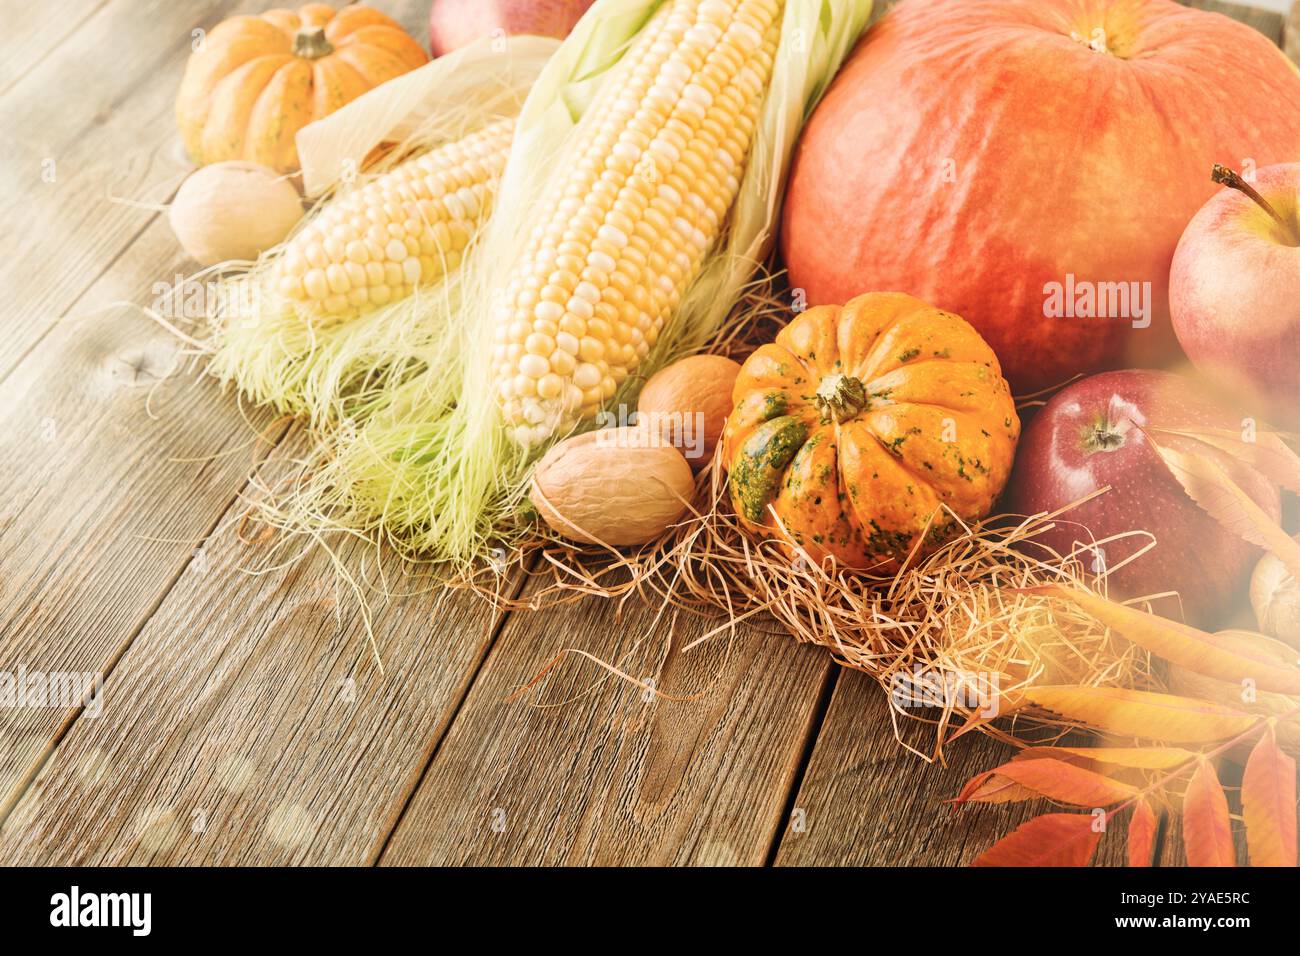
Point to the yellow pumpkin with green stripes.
(866, 430)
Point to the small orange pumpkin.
(860, 423)
(254, 81)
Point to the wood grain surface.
(112, 473)
(590, 768)
(244, 717)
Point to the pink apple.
(1234, 290)
(455, 23)
(1089, 436)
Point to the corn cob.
(409, 226)
(631, 221)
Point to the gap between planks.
(76, 306)
(33, 771)
(436, 744)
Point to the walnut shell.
(689, 402)
(616, 486)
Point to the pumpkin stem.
(1230, 178)
(840, 397)
(310, 43)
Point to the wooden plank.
(110, 477)
(394, 716)
(46, 830)
(113, 134)
(32, 31)
(602, 772)
(866, 801)
(250, 724)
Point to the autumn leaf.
(1064, 782)
(1139, 713)
(1230, 655)
(976, 720)
(1267, 453)
(1211, 487)
(1207, 829)
(1268, 805)
(1143, 758)
(1141, 835)
(1060, 753)
(988, 787)
(1054, 839)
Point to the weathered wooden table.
(243, 719)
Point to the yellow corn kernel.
(631, 221)
(408, 227)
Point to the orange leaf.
(1268, 454)
(1065, 782)
(1140, 713)
(1141, 835)
(1206, 483)
(1268, 805)
(1143, 758)
(1230, 656)
(1048, 750)
(1054, 839)
(988, 787)
(1207, 829)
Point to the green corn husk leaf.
(436, 475)
(343, 370)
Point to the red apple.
(455, 23)
(984, 154)
(1234, 289)
(1089, 436)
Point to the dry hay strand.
(955, 619)
(954, 622)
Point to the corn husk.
(339, 372)
(435, 474)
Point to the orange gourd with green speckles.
(254, 81)
(865, 428)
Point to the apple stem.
(1229, 178)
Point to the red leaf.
(1066, 782)
(1268, 805)
(1207, 830)
(1141, 835)
(1054, 839)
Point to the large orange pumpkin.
(254, 81)
(987, 155)
(863, 429)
